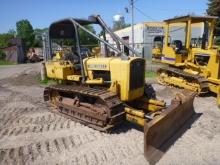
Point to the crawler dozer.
(193, 64)
(102, 89)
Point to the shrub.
(217, 40)
(2, 55)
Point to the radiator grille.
(137, 70)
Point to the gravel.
(31, 134)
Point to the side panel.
(93, 65)
(169, 55)
(97, 63)
(59, 69)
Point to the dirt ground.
(31, 134)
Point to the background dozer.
(194, 64)
(101, 90)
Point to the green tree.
(214, 10)
(2, 55)
(38, 36)
(12, 32)
(101, 33)
(4, 39)
(26, 32)
(117, 25)
(86, 38)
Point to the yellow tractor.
(104, 89)
(194, 64)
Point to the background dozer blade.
(158, 131)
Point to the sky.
(42, 12)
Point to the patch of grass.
(150, 74)
(47, 81)
(6, 63)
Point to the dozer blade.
(158, 131)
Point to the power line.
(177, 29)
(129, 1)
(140, 11)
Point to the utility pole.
(132, 22)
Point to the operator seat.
(178, 44)
(179, 48)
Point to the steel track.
(105, 113)
(203, 83)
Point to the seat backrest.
(178, 44)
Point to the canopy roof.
(65, 28)
(194, 19)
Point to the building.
(16, 52)
(145, 34)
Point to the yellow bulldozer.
(102, 89)
(194, 63)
